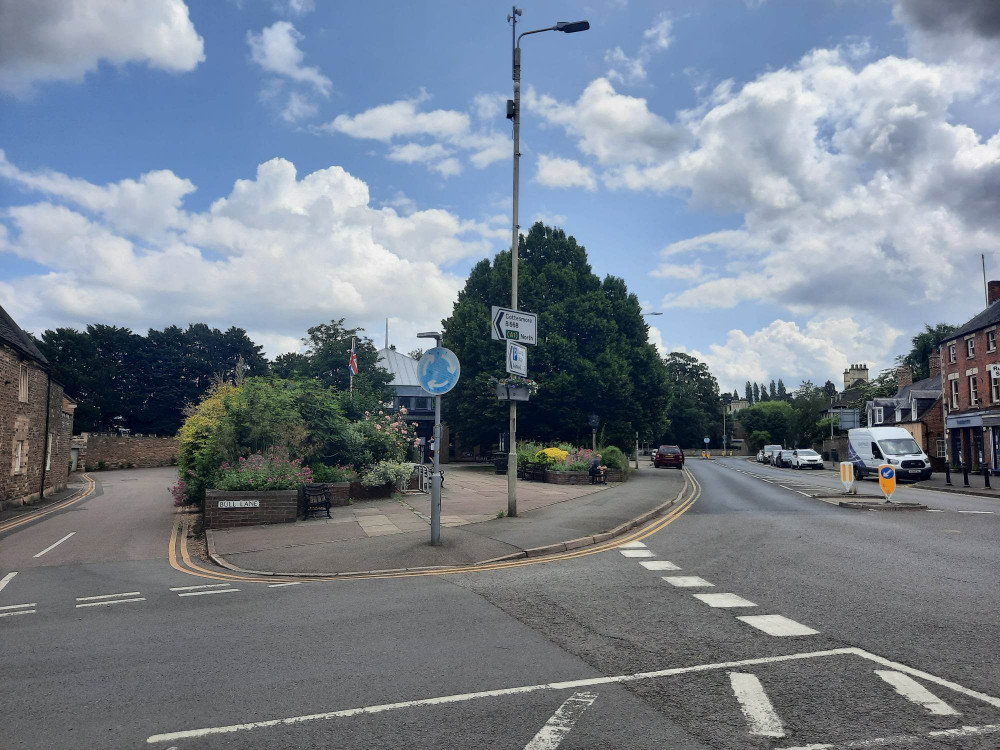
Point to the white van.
(867, 447)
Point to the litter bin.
(500, 463)
(835, 455)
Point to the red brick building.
(972, 388)
(917, 408)
(36, 420)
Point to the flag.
(353, 363)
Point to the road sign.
(438, 370)
(847, 477)
(995, 370)
(707, 441)
(887, 480)
(513, 325)
(517, 359)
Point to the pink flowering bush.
(273, 470)
(386, 437)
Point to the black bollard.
(986, 476)
(965, 474)
(947, 473)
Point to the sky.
(796, 186)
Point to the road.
(858, 627)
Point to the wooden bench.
(315, 497)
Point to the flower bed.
(580, 477)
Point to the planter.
(359, 492)
(512, 392)
(580, 477)
(227, 509)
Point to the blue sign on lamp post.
(437, 372)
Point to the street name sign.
(239, 503)
(995, 370)
(514, 325)
(517, 359)
(887, 480)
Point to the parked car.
(804, 458)
(867, 447)
(761, 457)
(769, 451)
(669, 455)
(783, 458)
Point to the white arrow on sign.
(514, 325)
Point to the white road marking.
(203, 586)
(212, 591)
(659, 565)
(106, 596)
(6, 579)
(19, 606)
(572, 685)
(686, 581)
(111, 601)
(756, 706)
(934, 510)
(724, 600)
(978, 512)
(913, 691)
(556, 728)
(19, 612)
(292, 583)
(901, 739)
(778, 625)
(804, 494)
(632, 545)
(636, 552)
(53, 546)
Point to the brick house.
(917, 408)
(971, 390)
(36, 420)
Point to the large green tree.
(923, 345)
(593, 354)
(775, 418)
(695, 408)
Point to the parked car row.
(790, 458)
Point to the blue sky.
(797, 186)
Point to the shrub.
(550, 456)
(179, 491)
(386, 472)
(324, 473)
(574, 466)
(613, 458)
(101, 466)
(173, 460)
(526, 452)
(384, 437)
(273, 470)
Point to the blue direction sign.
(887, 480)
(438, 370)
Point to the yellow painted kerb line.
(178, 544)
(16, 522)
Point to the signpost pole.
(436, 477)
(515, 241)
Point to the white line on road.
(53, 546)
(686, 581)
(636, 552)
(6, 579)
(659, 565)
(292, 583)
(19, 612)
(724, 600)
(934, 510)
(632, 545)
(203, 586)
(212, 591)
(19, 606)
(106, 596)
(557, 727)
(111, 601)
(913, 691)
(778, 625)
(901, 739)
(756, 706)
(978, 512)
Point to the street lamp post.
(436, 475)
(514, 113)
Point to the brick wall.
(580, 477)
(276, 506)
(118, 451)
(25, 421)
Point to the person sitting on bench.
(598, 472)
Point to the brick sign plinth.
(225, 510)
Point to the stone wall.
(249, 508)
(580, 477)
(123, 451)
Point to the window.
(954, 393)
(991, 341)
(18, 456)
(22, 384)
(951, 352)
(48, 453)
(973, 390)
(877, 415)
(940, 448)
(970, 345)
(913, 411)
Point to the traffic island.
(878, 504)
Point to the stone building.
(36, 420)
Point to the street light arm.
(536, 31)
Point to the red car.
(669, 455)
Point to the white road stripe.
(632, 545)
(686, 581)
(106, 596)
(557, 727)
(913, 691)
(934, 510)
(756, 706)
(901, 739)
(778, 625)
(19, 612)
(111, 601)
(53, 546)
(659, 565)
(6, 579)
(724, 600)
(19, 606)
(292, 583)
(978, 512)
(203, 586)
(213, 591)
(636, 552)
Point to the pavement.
(394, 533)
(752, 616)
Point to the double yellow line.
(18, 522)
(180, 558)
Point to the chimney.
(904, 376)
(934, 362)
(992, 292)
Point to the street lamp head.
(429, 335)
(570, 27)
(653, 313)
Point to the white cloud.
(276, 50)
(967, 30)
(551, 220)
(298, 107)
(296, 7)
(58, 40)
(632, 70)
(554, 171)
(277, 254)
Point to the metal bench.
(315, 497)
(534, 470)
